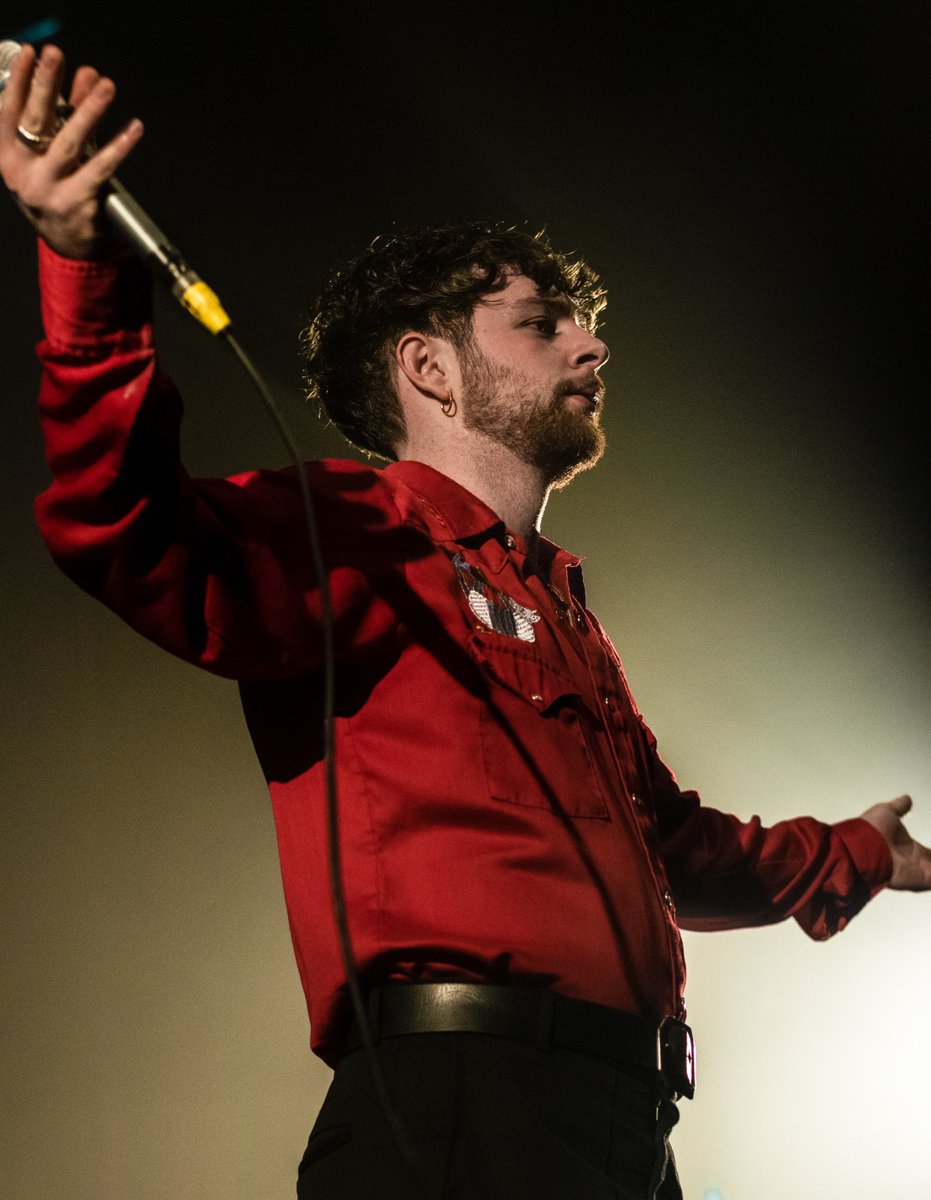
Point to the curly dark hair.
(427, 279)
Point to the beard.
(538, 427)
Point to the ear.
(428, 362)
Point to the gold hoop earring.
(449, 406)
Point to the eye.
(544, 325)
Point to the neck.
(490, 471)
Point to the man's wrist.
(869, 851)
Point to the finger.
(39, 110)
(14, 94)
(81, 85)
(69, 143)
(102, 165)
(901, 805)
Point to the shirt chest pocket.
(535, 732)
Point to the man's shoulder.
(346, 492)
(356, 495)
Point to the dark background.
(749, 180)
(738, 173)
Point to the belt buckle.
(675, 1058)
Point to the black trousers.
(489, 1119)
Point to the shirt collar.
(466, 520)
(461, 515)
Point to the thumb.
(901, 805)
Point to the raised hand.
(49, 163)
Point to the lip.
(583, 400)
(590, 388)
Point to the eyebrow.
(556, 305)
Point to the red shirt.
(504, 814)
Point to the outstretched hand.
(911, 861)
(49, 164)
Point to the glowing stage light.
(39, 31)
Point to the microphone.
(8, 51)
(140, 232)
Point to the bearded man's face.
(529, 381)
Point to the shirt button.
(636, 799)
(511, 541)
(667, 899)
(536, 699)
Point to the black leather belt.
(537, 1015)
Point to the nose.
(590, 351)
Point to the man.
(518, 858)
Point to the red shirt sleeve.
(726, 873)
(215, 571)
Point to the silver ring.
(38, 142)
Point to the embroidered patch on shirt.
(496, 610)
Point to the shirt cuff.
(92, 305)
(869, 850)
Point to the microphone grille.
(8, 51)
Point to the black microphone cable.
(210, 313)
(337, 888)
